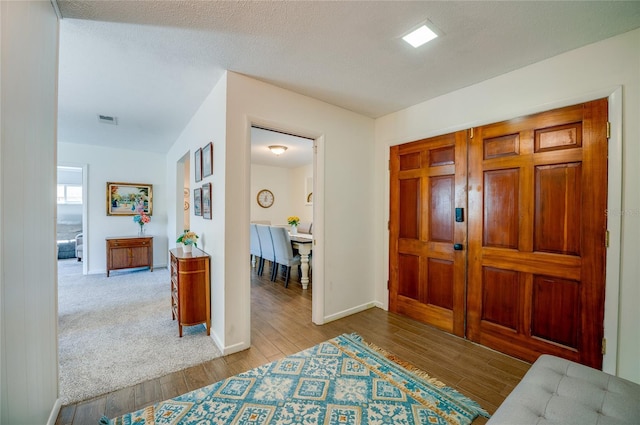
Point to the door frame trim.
(614, 226)
(318, 288)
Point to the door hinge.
(608, 130)
(389, 225)
(387, 284)
(606, 239)
(604, 344)
(471, 133)
(315, 148)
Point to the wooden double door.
(497, 233)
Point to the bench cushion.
(559, 391)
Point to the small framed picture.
(197, 164)
(206, 201)
(129, 198)
(197, 201)
(207, 160)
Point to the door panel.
(501, 297)
(409, 207)
(408, 275)
(557, 219)
(560, 323)
(427, 276)
(441, 197)
(537, 225)
(501, 208)
(440, 278)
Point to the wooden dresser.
(127, 252)
(190, 288)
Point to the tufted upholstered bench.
(559, 391)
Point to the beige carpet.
(115, 332)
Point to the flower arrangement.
(294, 220)
(142, 218)
(188, 238)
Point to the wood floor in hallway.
(281, 325)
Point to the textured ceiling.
(152, 63)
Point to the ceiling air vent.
(106, 119)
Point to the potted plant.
(142, 218)
(293, 221)
(188, 239)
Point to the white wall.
(287, 186)
(342, 209)
(299, 190)
(207, 125)
(590, 72)
(119, 165)
(28, 309)
(188, 197)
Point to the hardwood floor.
(281, 325)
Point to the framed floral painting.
(206, 201)
(129, 198)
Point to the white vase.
(186, 248)
(294, 230)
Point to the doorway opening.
(71, 222)
(281, 191)
(183, 209)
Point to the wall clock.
(265, 198)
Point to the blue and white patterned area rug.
(340, 381)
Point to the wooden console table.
(127, 252)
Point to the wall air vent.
(106, 119)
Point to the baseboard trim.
(235, 348)
(53, 416)
(229, 349)
(379, 305)
(216, 341)
(349, 312)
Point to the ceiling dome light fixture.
(277, 149)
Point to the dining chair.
(266, 246)
(304, 227)
(255, 248)
(283, 251)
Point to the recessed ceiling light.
(420, 36)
